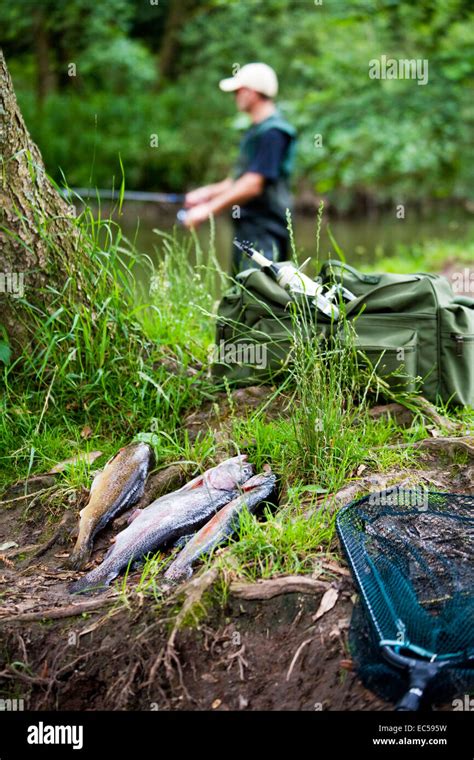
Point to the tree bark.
(38, 239)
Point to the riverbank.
(102, 374)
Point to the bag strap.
(369, 279)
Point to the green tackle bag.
(412, 323)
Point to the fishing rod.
(295, 281)
(128, 195)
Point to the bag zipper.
(460, 341)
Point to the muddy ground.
(228, 653)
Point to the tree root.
(437, 444)
(193, 592)
(404, 413)
(55, 613)
(285, 585)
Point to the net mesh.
(411, 552)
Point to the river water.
(363, 240)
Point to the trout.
(222, 525)
(169, 517)
(118, 486)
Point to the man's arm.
(248, 186)
(265, 166)
(207, 192)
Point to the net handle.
(421, 673)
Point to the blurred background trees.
(138, 78)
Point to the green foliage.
(110, 354)
(5, 351)
(389, 140)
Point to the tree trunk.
(179, 13)
(169, 47)
(45, 80)
(37, 236)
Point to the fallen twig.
(24, 496)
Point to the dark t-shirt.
(269, 154)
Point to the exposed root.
(461, 443)
(275, 586)
(121, 689)
(403, 414)
(241, 661)
(429, 410)
(295, 657)
(193, 591)
(32, 496)
(55, 613)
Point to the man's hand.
(248, 186)
(196, 197)
(197, 215)
(206, 193)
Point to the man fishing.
(258, 193)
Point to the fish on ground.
(168, 518)
(222, 525)
(118, 486)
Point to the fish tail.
(79, 557)
(177, 573)
(96, 579)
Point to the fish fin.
(95, 481)
(257, 480)
(109, 551)
(114, 456)
(183, 540)
(78, 558)
(246, 488)
(134, 515)
(196, 483)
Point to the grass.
(116, 360)
(429, 256)
(130, 358)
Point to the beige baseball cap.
(255, 76)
